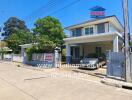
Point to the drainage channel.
(126, 87)
(34, 78)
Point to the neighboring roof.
(27, 45)
(97, 8)
(3, 44)
(95, 20)
(6, 49)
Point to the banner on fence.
(47, 57)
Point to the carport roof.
(92, 38)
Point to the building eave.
(92, 38)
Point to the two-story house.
(95, 36)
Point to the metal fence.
(43, 57)
(116, 65)
(45, 60)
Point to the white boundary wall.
(17, 58)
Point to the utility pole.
(126, 35)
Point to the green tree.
(2, 46)
(43, 46)
(50, 28)
(18, 38)
(12, 25)
(46, 45)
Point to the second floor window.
(89, 30)
(101, 28)
(77, 32)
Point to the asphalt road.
(17, 83)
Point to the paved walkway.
(18, 83)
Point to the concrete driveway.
(18, 83)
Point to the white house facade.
(94, 37)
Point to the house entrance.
(98, 51)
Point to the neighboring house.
(95, 36)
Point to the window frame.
(104, 28)
(92, 26)
(74, 32)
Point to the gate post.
(68, 54)
(23, 53)
(57, 58)
(108, 64)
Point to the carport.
(78, 47)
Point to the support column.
(116, 44)
(95, 29)
(106, 27)
(81, 51)
(68, 54)
(83, 31)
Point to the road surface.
(18, 83)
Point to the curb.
(104, 81)
(117, 83)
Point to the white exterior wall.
(83, 31)
(106, 27)
(112, 28)
(17, 58)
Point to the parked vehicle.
(90, 63)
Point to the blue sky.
(79, 12)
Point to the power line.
(71, 4)
(68, 5)
(46, 7)
(36, 11)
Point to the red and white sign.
(97, 13)
(49, 57)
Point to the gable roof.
(113, 19)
